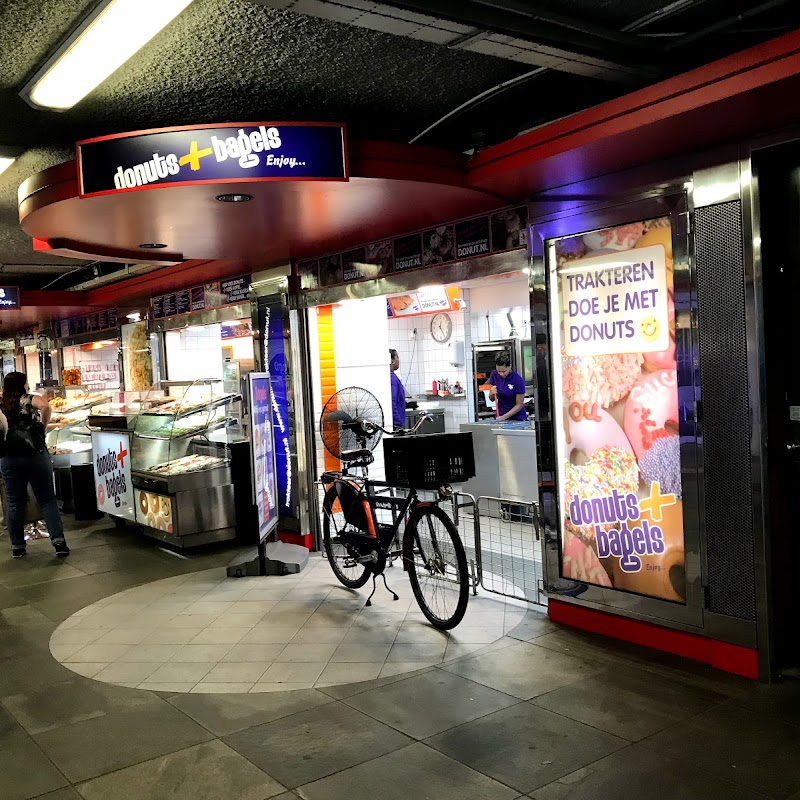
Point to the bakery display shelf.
(86, 403)
(195, 431)
(189, 409)
(218, 475)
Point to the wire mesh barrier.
(501, 537)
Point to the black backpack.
(25, 436)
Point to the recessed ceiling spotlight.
(234, 198)
(134, 316)
(152, 246)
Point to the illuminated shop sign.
(207, 154)
(90, 323)
(214, 294)
(9, 297)
(613, 328)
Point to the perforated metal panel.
(726, 417)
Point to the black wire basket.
(430, 460)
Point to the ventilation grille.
(726, 417)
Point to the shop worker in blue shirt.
(398, 393)
(508, 390)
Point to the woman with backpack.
(25, 460)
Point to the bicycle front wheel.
(437, 566)
(344, 565)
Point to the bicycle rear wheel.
(345, 567)
(437, 566)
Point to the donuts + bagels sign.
(616, 303)
(209, 154)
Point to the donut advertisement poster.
(618, 449)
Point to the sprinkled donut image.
(662, 464)
(589, 434)
(580, 562)
(623, 237)
(651, 411)
(608, 469)
(599, 379)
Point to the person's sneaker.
(18, 552)
(61, 549)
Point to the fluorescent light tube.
(5, 163)
(102, 45)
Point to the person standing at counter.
(24, 459)
(398, 392)
(508, 391)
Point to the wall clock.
(441, 327)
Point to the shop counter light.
(100, 45)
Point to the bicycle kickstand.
(375, 586)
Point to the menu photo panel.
(617, 443)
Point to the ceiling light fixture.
(134, 316)
(103, 42)
(234, 198)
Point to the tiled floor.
(543, 712)
(208, 633)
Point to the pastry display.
(187, 464)
(68, 448)
(76, 400)
(71, 377)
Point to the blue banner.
(270, 312)
(263, 452)
(9, 297)
(265, 152)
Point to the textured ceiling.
(228, 60)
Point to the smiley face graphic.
(650, 329)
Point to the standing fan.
(342, 421)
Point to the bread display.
(182, 466)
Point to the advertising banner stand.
(274, 557)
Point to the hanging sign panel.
(283, 151)
(613, 329)
(9, 297)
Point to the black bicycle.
(358, 545)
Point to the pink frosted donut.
(623, 237)
(599, 379)
(598, 429)
(651, 411)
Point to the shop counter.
(505, 460)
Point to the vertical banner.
(613, 329)
(270, 312)
(263, 453)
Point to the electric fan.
(352, 419)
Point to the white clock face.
(441, 327)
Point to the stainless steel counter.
(505, 461)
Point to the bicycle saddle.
(356, 455)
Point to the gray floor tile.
(10, 598)
(739, 745)
(643, 775)
(426, 704)
(629, 703)
(210, 771)
(60, 599)
(37, 569)
(223, 714)
(315, 743)
(413, 772)
(524, 746)
(19, 675)
(119, 739)
(25, 771)
(48, 707)
(533, 624)
(524, 670)
(61, 794)
(350, 689)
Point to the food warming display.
(181, 472)
(68, 437)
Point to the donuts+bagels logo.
(625, 540)
(244, 147)
(109, 467)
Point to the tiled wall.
(194, 353)
(423, 360)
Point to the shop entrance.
(442, 340)
(778, 171)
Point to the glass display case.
(180, 461)
(122, 412)
(68, 436)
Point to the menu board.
(617, 440)
(498, 232)
(263, 453)
(90, 323)
(200, 298)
